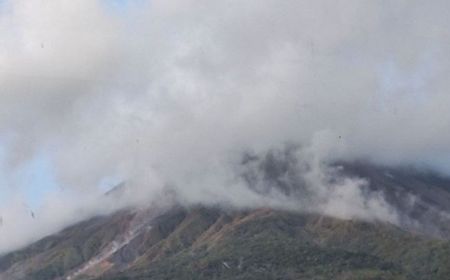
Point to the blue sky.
(36, 179)
(33, 180)
(121, 6)
(117, 5)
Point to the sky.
(35, 178)
(169, 95)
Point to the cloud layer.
(172, 94)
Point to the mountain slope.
(217, 243)
(267, 244)
(208, 243)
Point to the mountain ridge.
(212, 242)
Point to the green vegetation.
(205, 243)
(277, 245)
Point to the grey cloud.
(175, 92)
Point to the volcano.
(216, 242)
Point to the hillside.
(207, 243)
(200, 242)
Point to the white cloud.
(175, 91)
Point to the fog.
(169, 96)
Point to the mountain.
(200, 242)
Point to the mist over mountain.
(328, 108)
(219, 242)
(394, 225)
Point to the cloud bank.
(172, 94)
